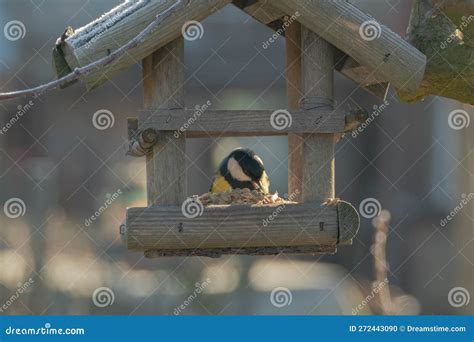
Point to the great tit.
(242, 168)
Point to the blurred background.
(64, 170)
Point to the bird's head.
(242, 168)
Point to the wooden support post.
(317, 86)
(293, 86)
(163, 81)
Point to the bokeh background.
(64, 169)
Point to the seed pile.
(241, 196)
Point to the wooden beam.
(140, 142)
(237, 227)
(266, 13)
(163, 82)
(256, 251)
(249, 121)
(339, 22)
(263, 11)
(294, 94)
(318, 89)
(118, 26)
(368, 79)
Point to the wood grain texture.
(237, 226)
(294, 95)
(246, 121)
(338, 22)
(368, 79)
(120, 25)
(349, 222)
(263, 11)
(163, 74)
(318, 149)
(257, 251)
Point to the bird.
(241, 169)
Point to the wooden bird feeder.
(324, 38)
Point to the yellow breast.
(220, 184)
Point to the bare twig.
(81, 71)
(381, 223)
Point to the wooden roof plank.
(363, 38)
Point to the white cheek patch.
(265, 182)
(236, 171)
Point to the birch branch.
(81, 71)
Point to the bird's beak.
(257, 185)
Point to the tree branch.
(81, 71)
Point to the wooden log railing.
(240, 229)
